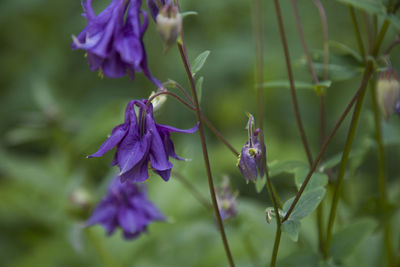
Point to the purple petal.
(247, 165)
(117, 135)
(164, 174)
(126, 219)
(138, 173)
(134, 153)
(167, 128)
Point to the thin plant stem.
(165, 92)
(203, 117)
(391, 46)
(100, 249)
(291, 81)
(324, 23)
(325, 145)
(303, 42)
(180, 87)
(192, 190)
(357, 32)
(382, 177)
(350, 138)
(182, 51)
(259, 56)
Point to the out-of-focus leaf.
(338, 72)
(199, 88)
(198, 63)
(307, 203)
(300, 259)
(335, 160)
(318, 179)
(285, 167)
(20, 136)
(292, 229)
(260, 183)
(395, 21)
(341, 48)
(346, 241)
(370, 6)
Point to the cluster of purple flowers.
(113, 41)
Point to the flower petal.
(117, 135)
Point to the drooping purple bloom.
(113, 39)
(141, 143)
(250, 159)
(226, 200)
(125, 206)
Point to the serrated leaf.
(346, 241)
(292, 229)
(318, 179)
(308, 202)
(370, 6)
(199, 88)
(198, 63)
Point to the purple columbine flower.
(155, 6)
(126, 206)
(113, 39)
(141, 143)
(250, 159)
(226, 200)
(398, 107)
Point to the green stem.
(324, 147)
(259, 55)
(350, 137)
(382, 177)
(182, 50)
(291, 81)
(357, 32)
(99, 247)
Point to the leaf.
(292, 229)
(338, 72)
(300, 258)
(346, 241)
(395, 21)
(199, 88)
(286, 166)
(259, 184)
(198, 63)
(345, 50)
(307, 203)
(370, 6)
(318, 179)
(335, 160)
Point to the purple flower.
(113, 39)
(141, 143)
(250, 159)
(126, 206)
(226, 200)
(398, 107)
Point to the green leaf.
(338, 72)
(395, 21)
(370, 6)
(292, 229)
(318, 179)
(276, 168)
(335, 160)
(198, 63)
(259, 184)
(199, 88)
(307, 203)
(343, 49)
(346, 241)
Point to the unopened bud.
(80, 202)
(169, 24)
(158, 101)
(387, 92)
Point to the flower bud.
(158, 101)
(387, 92)
(169, 24)
(79, 203)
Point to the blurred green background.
(54, 112)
